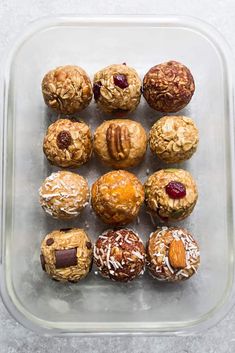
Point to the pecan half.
(177, 254)
(118, 141)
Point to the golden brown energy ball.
(174, 139)
(172, 254)
(117, 196)
(67, 89)
(64, 195)
(117, 89)
(120, 255)
(120, 143)
(68, 143)
(171, 194)
(66, 254)
(168, 87)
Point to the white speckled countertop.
(14, 16)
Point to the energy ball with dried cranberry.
(117, 89)
(120, 255)
(171, 194)
(67, 89)
(168, 87)
(68, 143)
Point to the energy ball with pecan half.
(171, 194)
(174, 139)
(117, 89)
(66, 254)
(172, 254)
(120, 255)
(68, 143)
(168, 87)
(64, 195)
(67, 89)
(117, 196)
(120, 143)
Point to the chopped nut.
(118, 141)
(177, 254)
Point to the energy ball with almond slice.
(68, 143)
(171, 194)
(172, 254)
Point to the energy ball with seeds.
(120, 143)
(67, 89)
(117, 89)
(117, 196)
(120, 255)
(66, 254)
(64, 195)
(68, 143)
(171, 194)
(174, 139)
(168, 87)
(172, 254)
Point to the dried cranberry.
(175, 190)
(64, 140)
(120, 81)
(96, 89)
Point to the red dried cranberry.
(175, 190)
(120, 81)
(96, 89)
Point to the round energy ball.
(171, 194)
(66, 254)
(120, 255)
(68, 143)
(117, 89)
(172, 254)
(117, 196)
(67, 89)
(120, 143)
(168, 87)
(174, 139)
(64, 195)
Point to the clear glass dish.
(96, 306)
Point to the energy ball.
(172, 254)
(174, 139)
(168, 87)
(67, 89)
(68, 143)
(120, 255)
(171, 194)
(120, 143)
(117, 89)
(117, 196)
(66, 254)
(64, 195)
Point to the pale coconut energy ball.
(64, 195)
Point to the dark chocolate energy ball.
(168, 87)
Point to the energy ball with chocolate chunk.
(172, 254)
(171, 194)
(68, 143)
(120, 143)
(66, 254)
(67, 89)
(117, 196)
(168, 87)
(64, 195)
(120, 255)
(117, 89)
(174, 139)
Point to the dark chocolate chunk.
(65, 258)
(88, 245)
(65, 229)
(42, 259)
(50, 241)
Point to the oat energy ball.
(117, 88)
(168, 87)
(66, 254)
(172, 254)
(174, 139)
(171, 194)
(120, 143)
(67, 89)
(64, 195)
(120, 255)
(117, 196)
(68, 143)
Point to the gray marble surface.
(14, 15)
